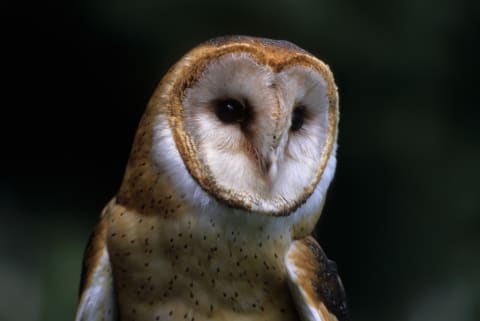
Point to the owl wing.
(97, 299)
(314, 282)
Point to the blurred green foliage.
(403, 215)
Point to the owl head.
(246, 122)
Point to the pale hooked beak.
(272, 153)
(269, 164)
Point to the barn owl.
(226, 180)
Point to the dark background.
(402, 218)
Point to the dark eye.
(298, 116)
(230, 111)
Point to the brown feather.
(318, 278)
(93, 252)
(97, 299)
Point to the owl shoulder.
(314, 282)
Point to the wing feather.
(314, 282)
(97, 299)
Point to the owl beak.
(271, 154)
(269, 166)
(272, 171)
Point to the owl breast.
(198, 268)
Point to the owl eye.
(298, 117)
(230, 111)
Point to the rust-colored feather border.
(168, 96)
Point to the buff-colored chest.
(186, 268)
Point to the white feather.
(98, 301)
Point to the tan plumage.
(205, 222)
